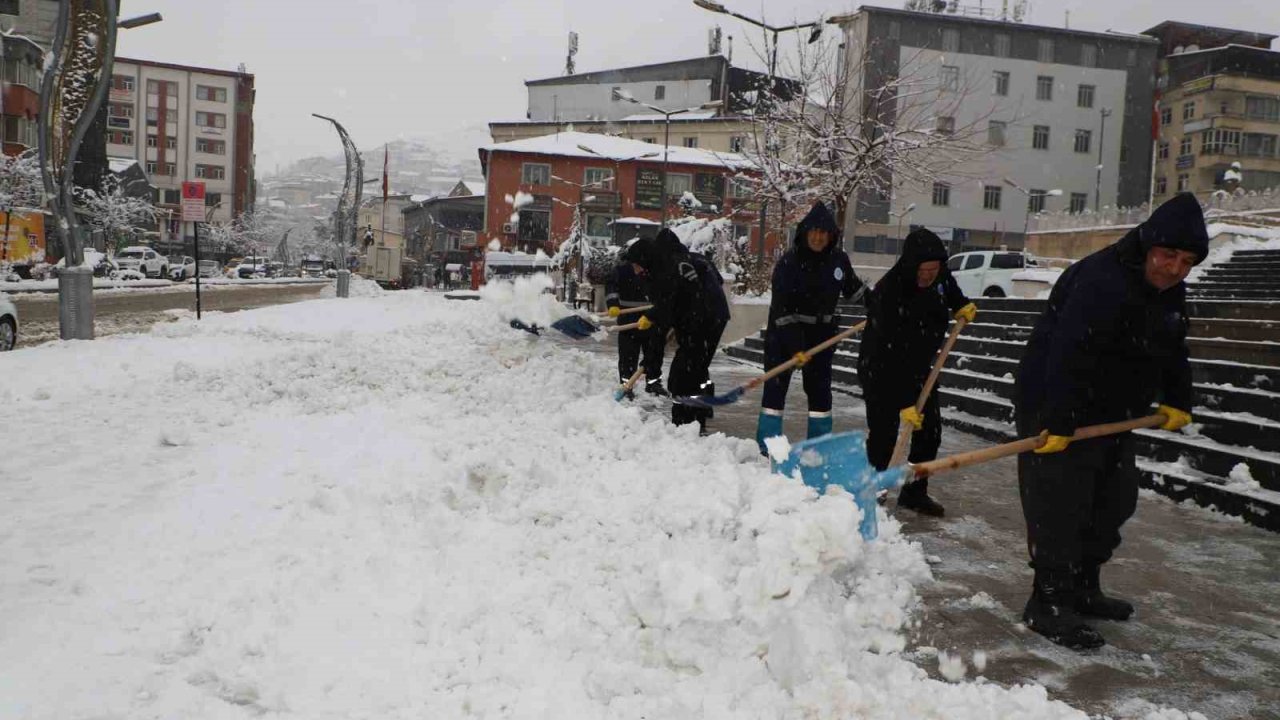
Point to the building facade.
(537, 188)
(185, 124)
(1218, 119)
(1047, 106)
(20, 106)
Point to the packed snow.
(395, 505)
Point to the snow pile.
(1242, 479)
(397, 506)
(360, 287)
(1138, 709)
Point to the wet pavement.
(1206, 634)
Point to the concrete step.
(1209, 456)
(1242, 351)
(1215, 291)
(1259, 253)
(1255, 506)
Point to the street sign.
(192, 202)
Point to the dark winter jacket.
(906, 323)
(625, 288)
(675, 288)
(1109, 343)
(715, 303)
(807, 285)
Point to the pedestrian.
(907, 316)
(808, 281)
(1111, 342)
(691, 304)
(627, 287)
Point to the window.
(1083, 140)
(211, 199)
(739, 188)
(1002, 46)
(995, 133)
(1079, 202)
(1040, 137)
(171, 89)
(691, 142)
(946, 125)
(1089, 55)
(153, 116)
(18, 72)
(941, 194)
(950, 77)
(895, 29)
(1166, 116)
(598, 179)
(974, 261)
(950, 40)
(151, 168)
(1035, 204)
(170, 169)
(1224, 108)
(1162, 151)
(599, 226)
(1262, 108)
(535, 174)
(615, 93)
(991, 197)
(208, 119)
(153, 141)
(1044, 87)
(120, 137)
(1162, 185)
(211, 94)
(649, 140)
(1002, 82)
(1184, 182)
(171, 117)
(1184, 148)
(660, 92)
(737, 143)
(678, 184)
(122, 82)
(1257, 145)
(1008, 261)
(955, 262)
(534, 226)
(213, 147)
(120, 110)
(1220, 142)
(9, 7)
(1189, 111)
(153, 87)
(1131, 58)
(1045, 50)
(1084, 96)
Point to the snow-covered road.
(396, 506)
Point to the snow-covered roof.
(698, 115)
(572, 144)
(634, 221)
(475, 188)
(420, 198)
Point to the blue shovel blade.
(841, 460)
(576, 326)
(710, 401)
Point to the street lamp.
(1026, 222)
(905, 212)
(1102, 134)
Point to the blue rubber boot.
(820, 424)
(768, 425)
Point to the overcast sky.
(418, 68)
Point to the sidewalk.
(1206, 636)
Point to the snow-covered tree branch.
(20, 183)
(113, 212)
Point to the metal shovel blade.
(576, 327)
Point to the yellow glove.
(912, 417)
(967, 313)
(1053, 444)
(1177, 419)
(614, 312)
(802, 358)
(644, 323)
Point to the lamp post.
(77, 75)
(666, 139)
(905, 212)
(344, 218)
(1102, 134)
(1026, 222)
(814, 34)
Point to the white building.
(185, 124)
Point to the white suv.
(988, 273)
(144, 260)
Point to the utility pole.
(1097, 184)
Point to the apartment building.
(185, 124)
(23, 62)
(1051, 106)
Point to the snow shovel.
(575, 326)
(905, 428)
(626, 386)
(734, 395)
(628, 311)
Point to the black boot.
(1051, 611)
(1093, 602)
(654, 387)
(915, 496)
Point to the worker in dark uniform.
(685, 301)
(808, 281)
(907, 317)
(626, 287)
(1111, 342)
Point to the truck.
(313, 266)
(384, 267)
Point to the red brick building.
(22, 70)
(535, 186)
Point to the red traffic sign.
(193, 202)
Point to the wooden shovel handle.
(905, 429)
(628, 311)
(635, 378)
(996, 452)
(622, 328)
(783, 367)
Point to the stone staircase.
(1235, 350)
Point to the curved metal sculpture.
(345, 217)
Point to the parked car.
(210, 269)
(143, 259)
(181, 267)
(313, 266)
(8, 324)
(988, 273)
(252, 267)
(275, 269)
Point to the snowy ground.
(101, 284)
(397, 506)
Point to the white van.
(988, 273)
